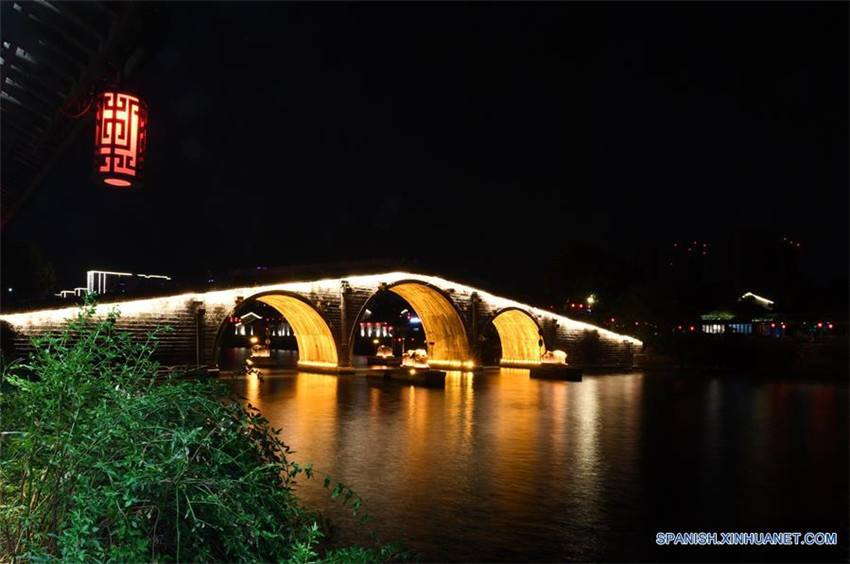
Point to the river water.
(501, 467)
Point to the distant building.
(252, 324)
(107, 282)
(754, 315)
(769, 262)
(75, 293)
(376, 329)
(260, 326)
(399, 331)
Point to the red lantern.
(120, 139)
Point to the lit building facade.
(104, 282)
(107, 282)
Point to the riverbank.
(788, 357)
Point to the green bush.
(102, 460)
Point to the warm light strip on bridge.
(316, 364)
(451, 364)
(151, 306)
(514, 362)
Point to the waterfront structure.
(325, 316)
(755, 315)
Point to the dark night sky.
(478, 138)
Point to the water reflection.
(459, 408)
(501, 467)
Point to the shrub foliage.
(103, 460)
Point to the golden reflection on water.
(307, 410)
(530, 424)
(419, 427)
(459, 407)
(374, 401)
(557, 432)
(585, 421)
(515, 455)
(252, 389)
(500, 466)
(315, 411)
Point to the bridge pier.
(200, 312)
(474, 301)
(345, 361)
(549, 329)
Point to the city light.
(764, 302)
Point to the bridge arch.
(317, 346)
(445, 332)
(520, 335)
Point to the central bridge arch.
(520, 336)
(317, 346)
(445, 332)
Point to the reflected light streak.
(556, 397)
(515, 440)
(459, 404)
(252, 389)
(316, 410)
(418, 424)
(586, 424)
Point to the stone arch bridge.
(324, 315)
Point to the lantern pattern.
(120, 139)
